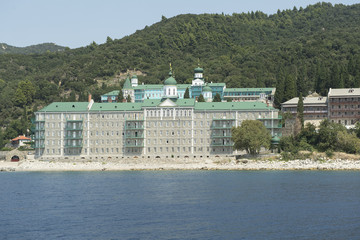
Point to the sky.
(77, 23)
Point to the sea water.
(180, 205)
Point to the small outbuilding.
(20, 141)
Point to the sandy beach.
(181, 164)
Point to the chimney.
(89, 98)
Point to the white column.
(192, 131)
(272, 123)
(62, 134)
(88, 134)
(144, 132)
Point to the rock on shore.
(181, 164)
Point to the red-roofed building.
(20, 141)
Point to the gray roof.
(337, 92)
(307, 101)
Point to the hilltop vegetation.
(298, 50)
(38, 48)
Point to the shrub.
(329, 153)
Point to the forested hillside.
(38, 48)
(298, 50)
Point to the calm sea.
(180, 205)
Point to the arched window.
(174, 91)
(169, 92)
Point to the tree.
(251, 136)
(300, 110)
(217, 98)
(290, 87)
(280, 87)
(2, 140)
(328, 135)
(25, 93)
(348, 142)
(128, 98)
(201, 98)
(187, 94)
(109, 40)
(120, 97)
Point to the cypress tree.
(217, 98)
(128, 98)
(120, 97)
(290, 87)
(300, 110)
(201, 98)
(279, 94)
(187, 94)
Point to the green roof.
(127, 84)
(116, 107)
(112, 93)
(149, 86)
(82, 106)
(66, 107)
(232, 106)
(134, 76)
(248, 89)
(216, 84)
(183, 86)
(180, 102)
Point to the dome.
(170, 80)
(198, 70)
(275, 140)
(207, 89)
(134, 76)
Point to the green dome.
(170, 80)
(275, 140)
(134, 76)
(198, 70)
(207, 89)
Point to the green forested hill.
(39, 48)
(298, 50)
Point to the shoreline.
(236, 165)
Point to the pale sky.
(76, 23)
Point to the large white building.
(166, 127)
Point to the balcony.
(134, 127)
(74, 120)
(224, 119)
(225, 126)
(74, 137)
(40, 146)
(134, 120)
(220, 136)
(273, 126)
(77, 128)
(42, 137)
(74, 145)
(40, 128)
(134, 137)
(216, 144)
(133, 145)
